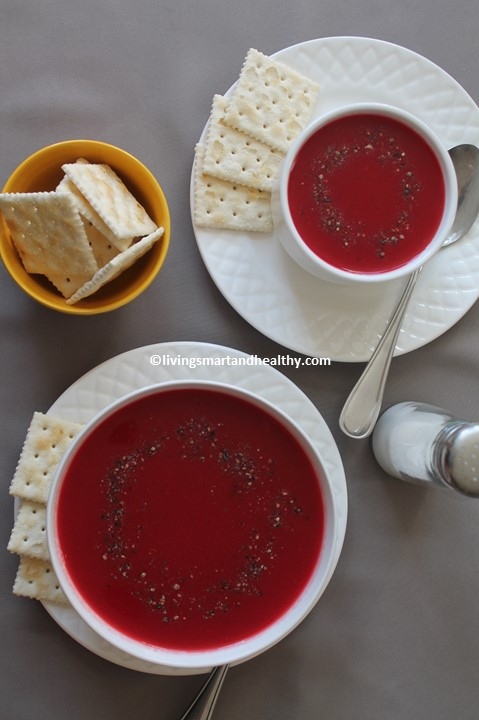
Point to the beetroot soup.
(366, 193)
(190, 519)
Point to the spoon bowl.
(465, 159)
(361, 409)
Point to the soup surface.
(191, 519)
(366, 193)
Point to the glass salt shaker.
(424, 444)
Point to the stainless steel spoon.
(203, 705)
(362, 407)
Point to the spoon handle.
(362, 407)
(203, 705)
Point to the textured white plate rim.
(313, 318)
(133, 370)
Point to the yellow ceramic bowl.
(42, 171)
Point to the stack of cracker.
(46, 441)
(247, 136)
(84, 233)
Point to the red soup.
(366, 193)
(190, 519)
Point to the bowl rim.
(290, 237)
(235, 652)
(28, 282)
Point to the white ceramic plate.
(134, 370)
(320, 319)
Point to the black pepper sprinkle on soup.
(190, 519)
(366, 193)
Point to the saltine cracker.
(36, 579)
(28, 536)
(221, 204)
(45, 443)
(236, 157)
(271, 101)
(49, 235)
(112, 200)
(116, 266)
(91, 219)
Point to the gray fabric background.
(396, 635)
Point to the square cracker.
(270, 101)
(48, 233)
(98, 233)
(117, 265)
(112, 200)
(236, 157)
(221, 204)
(36, 579)
(45, 443)
(28, 536)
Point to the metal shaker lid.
(460, 459)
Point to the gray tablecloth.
(396, 634)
